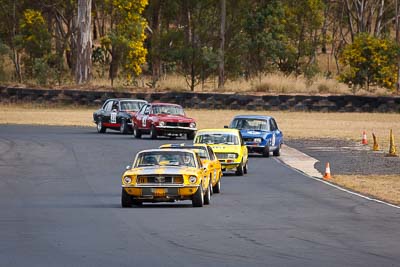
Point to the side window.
(275, 124)
(115, 105)
(274, 127)
(109, 105)
(105, 104)
(271, 125)
(148, 110)
(141, 111)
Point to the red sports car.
(163, 119)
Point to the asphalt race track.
(60, 206)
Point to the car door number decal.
(144, 120)
(113, 118)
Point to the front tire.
(198, 198)
(277, 152)
(153, 132)
(100, 127)
(246, 167)
(126, 199)
(207, 197)
(136, 132)
(123, 129)
(266, 152)
(240, 169)
(217, 187)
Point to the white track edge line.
(338, 187)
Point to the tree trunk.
(15, 54)
(17, 64)
(84, 42)
(155, 43)
(189, 38)
(115, 58)
(95, 19)
(221, 65)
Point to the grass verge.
(384, 187)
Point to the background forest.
(267, 46)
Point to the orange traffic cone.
(364, 140)
(327, 174)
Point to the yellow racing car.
(228, 146)
(166, 175)
(209, 160)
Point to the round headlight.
(192, 179)
(257, 140)
(161, 123)
(127, 179)
(192, 125)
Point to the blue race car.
(260, 134)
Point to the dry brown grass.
(384, 187)
(270, 83)
(41, 115)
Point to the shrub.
(371, 61)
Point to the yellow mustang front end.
(228, 146)
(166, 175)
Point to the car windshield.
(165, 158)
(201, 151)
(250, 124)
(217, 138)
(131, 105)
(168, 109)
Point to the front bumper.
(256, 148)
(175, 129)
(228, 165)
(162, 192)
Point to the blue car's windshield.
(250, 124)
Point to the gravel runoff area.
(347, 157)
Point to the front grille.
(159, 179)
(222, 155)
(248, 139)
(180, 124)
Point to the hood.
(223, 148)
(167, 170)
(254, 133)
(175, 118)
